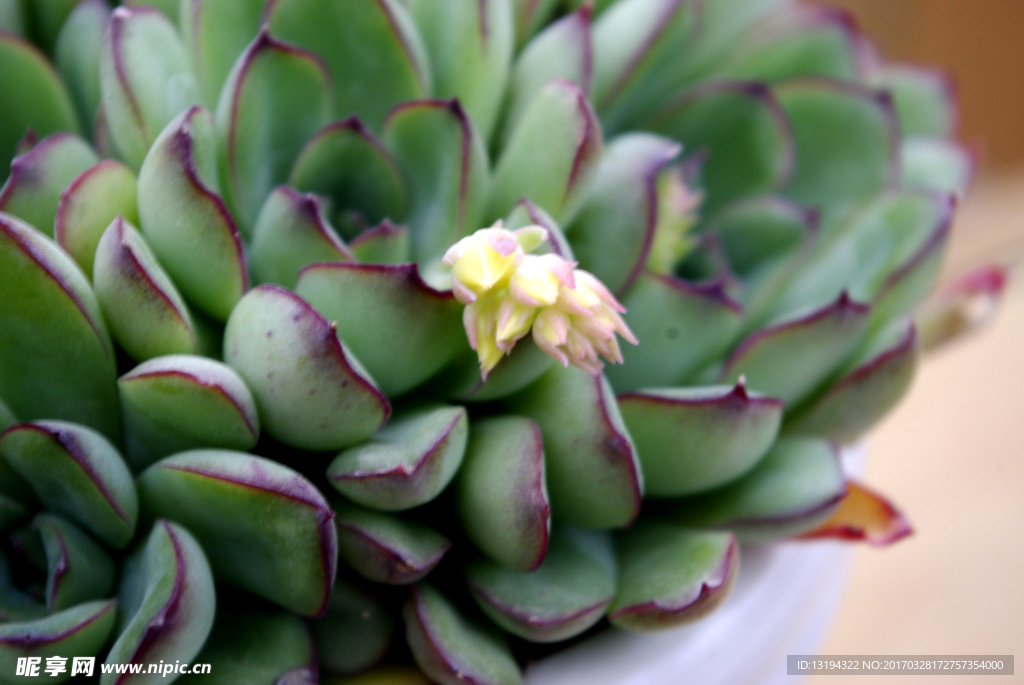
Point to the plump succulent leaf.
(450, 648)
(935, 164)
(530, 15)
(168, 603)
(593, 474)
(89, 204)
(77, 55)
(355, 633)
(215, 34)
(78, 569)
(563, 597)
(923, 99)
(694, 439)
(168, 7)
(407, 463)
(385, 548)
(502, 492)
(310, 391)
(56, 357)
(669, 575)
(518, 370)
(37, 178)
(185, 221)
(75, 471)
(182, 402)
(264, 527)
(385, 243)
(864, 515)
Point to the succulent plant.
(305, 307)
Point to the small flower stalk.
(509, 293)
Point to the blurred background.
(952, 455)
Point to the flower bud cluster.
(509, 292)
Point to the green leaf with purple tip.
(444, 161)
(669, 575)
(81, 630)
(758, 232)
(525, 213)
(145, 79)
(797, 486)
(264, 527)
(310, 391)
(469, 44)
(77, 55)
(923, 98)
(347, 164)
(450, 648)
(695, 439)
(167, 600)
(215, 33)
(593, 473)
(355, 633)
(913, 279)
(181, 402)
(530, 15)
(614, 231)
(383, 244)
(372, 48)
(140, 303)
(402, 330)
(88, 204)
(76, 472)
(935, 164)
(407, 463)
(56, 358)
(79, 570)
(385, 548)
(37, 178)
(7, 419)
(32, 96)
(552, 155)
(868, 388)
(502, 493)
(292, 232)
(184, 220)
(681, 326)
(563, 597)
(276, 97)
(790, 359)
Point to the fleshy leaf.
(37, 178)
(563, 597)
(864, 515)
(292, 232)
(56, 358)
(637, 45)
(614, 231)
(681, 327)
(184, 220)
(402, 330)
(383, 244)
(33, 96)
(530, 15)
(445, 164)
(593, 474)
(168, 601)
(215, 33)
(407, 463)
(962, 307)
(181, 402)
(310, 391)
(145, 79)
(522, 367)
(264, 527)
(923, 99)
(790, 359)
(525, 213)
(80, 630)
(562, 51)
(756, 233)
(79, 570)
(695, 439)
(670, 575)
(866, 391)
(385, 548)
(552, 155)
(374, 53)
(747, 138)
(355, 633)
(77, 55)
(259, 647)
(146, 315)
(347, 164)
(76, 472)
(469, 43)
(502, 494)
(797, 486)
(12, 17)
(452, 650)
(168, 7)
(935, 164)
(276, 97)
(88, 204)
